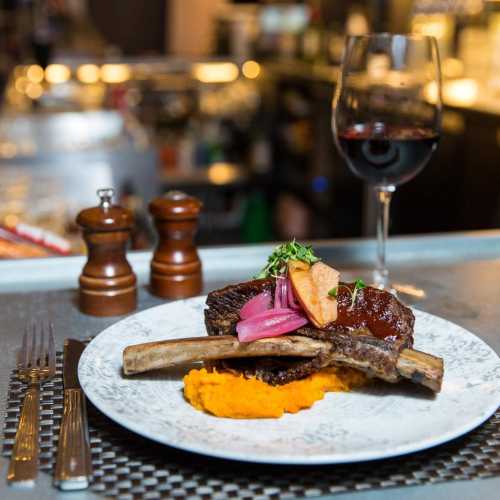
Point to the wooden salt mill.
(107, 283)
(176, 267)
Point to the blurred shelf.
(295, 68)
(218, 174)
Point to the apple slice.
(311, 285)
(303, 288)
(325, 278)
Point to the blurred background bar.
(229, 101)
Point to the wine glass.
(387, 116)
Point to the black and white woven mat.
(129, 467)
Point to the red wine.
(387, 155)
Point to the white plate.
(378, 422)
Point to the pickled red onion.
(259, 321)
(279, 300)
(283, 294)
(270, 323)
(292, 301)
(256, 305)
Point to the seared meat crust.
(372, 332)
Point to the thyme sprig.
(278, 260)
(358, 285)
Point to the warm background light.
(250, 69)
(222, 173)
(20, 84)
(431, 92)
(430, 25)
(7, 150)
(378, 66)
(439, 25)
(11, 220)
(34, 90)
(115, 73)
(35, 73)
(88, 73)
(215, 72)
(452, 67)
(463, 92)
(460, 92)
(57, 73)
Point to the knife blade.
(73, 463)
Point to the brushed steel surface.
(235, 262)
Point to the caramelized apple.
(311, 285)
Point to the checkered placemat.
(128, 467)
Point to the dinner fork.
(36, 363)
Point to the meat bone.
(363, 353)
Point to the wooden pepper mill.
(176, 267)
(107, 283)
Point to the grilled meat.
(377, 312)
(372, 331)
(224, 305)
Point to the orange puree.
(234, 396)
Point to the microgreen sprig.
(278, 260)
(358, 285)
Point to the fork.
(36, 363)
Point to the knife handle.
(23, 467)
(73, 462)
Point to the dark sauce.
(376, 310)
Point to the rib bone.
(366, 353)
(164, 354)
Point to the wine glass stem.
(384, 195)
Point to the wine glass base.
(404, 289)
(409, 289)
(386, 288)
(381, 281)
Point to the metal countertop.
(459, 272)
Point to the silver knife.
(73, 462)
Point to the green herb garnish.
(278, 260)
(358, 285)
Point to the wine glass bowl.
(387, 116)
(387, 156)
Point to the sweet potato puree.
(233, 396)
